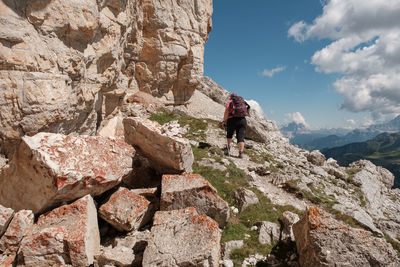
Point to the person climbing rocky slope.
(112, 153)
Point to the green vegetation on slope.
(227, 182)
(239, 225)
(383, 150)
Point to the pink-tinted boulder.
(19, 227)
(6, 215)
(183, 238)
(126, 211)
(51, 168)
(72, 230)
(168, 151)
(192, 190)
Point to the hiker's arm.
(225, 116)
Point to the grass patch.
(360, 196)
(319, 197)
(227, 182)
(234, 231)
(347, 219)
(393, 198)
(251, 246)
(264, 210)
(259, 157)
(351, 172)
(240, 226)
(163, 117)
(395, 244)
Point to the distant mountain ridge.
(383, 150)
(320, 139)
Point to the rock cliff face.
(144, 194)
(65, 65)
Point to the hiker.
(235, 120)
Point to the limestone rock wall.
(65, 65)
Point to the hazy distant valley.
(378, 143)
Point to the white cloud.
(297, 117)
(272, 72)
(256, 107)
(367, 122)
(351, 121)
(365, 49)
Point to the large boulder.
(288, 219)
(183, 238)
(66, 235)
(66, 65)
(169, 152)
(51, 168)
(370, 173)
(6, 215)
(192, 190)
(316, 158)
(19, 227)
(323, 241)
(126, 210)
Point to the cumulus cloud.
(272, 72)
(365, 49)
(297, 117)
(256, 107)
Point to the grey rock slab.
(268, 233)
(183, 238)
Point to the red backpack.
(238, 107)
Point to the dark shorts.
(238, 125)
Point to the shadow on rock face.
(143, 174)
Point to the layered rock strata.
(51, 168)
(65, 65)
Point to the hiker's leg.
(229, 140)
(240, 131)
(229, 134)
(230, 129)
(241, 146)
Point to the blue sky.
(300, 60)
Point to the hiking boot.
(241, 154)
(227, 151)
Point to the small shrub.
(351, 172)
(395, 244)
(280, 165)
(347, 219)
